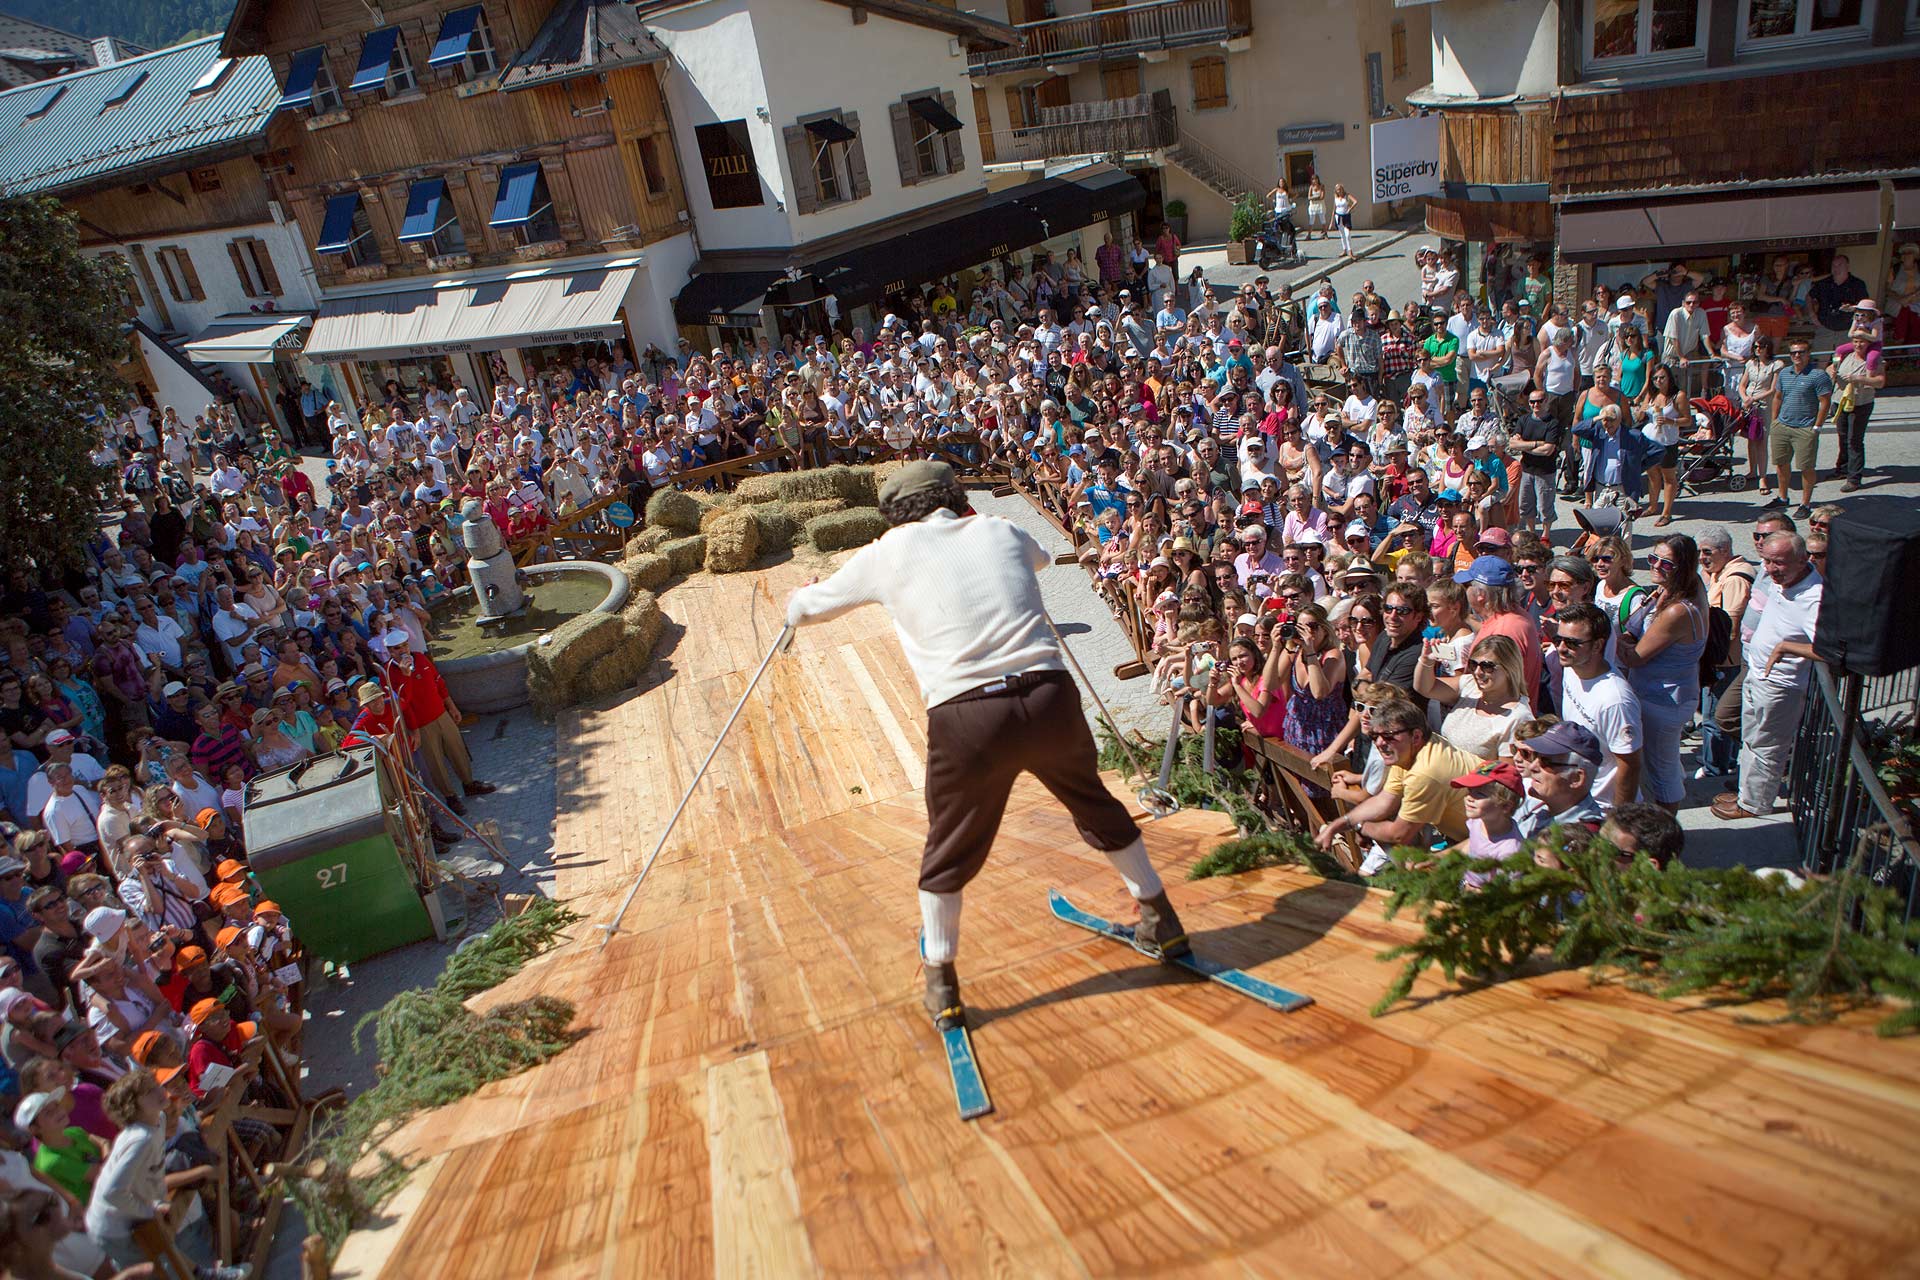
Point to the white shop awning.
(248, 337)
(468, 315)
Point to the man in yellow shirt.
(1418, 798)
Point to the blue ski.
(1267, 993)
(969, 1090)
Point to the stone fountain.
(497, 594)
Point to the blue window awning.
(456, 36)
(336, 230)
(376, 58)
(520, 186)
(301, 75)
(428, 210)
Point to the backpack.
(1719, 639)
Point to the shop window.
(384, 65)
(829, 163)
(926, 137)
(1768, 24)
(176, 268)
(465, 41)
(254, 265)
(1209, 76)
(1660, 31)
(348, 231)
(524, 206)
(653, 172)
(1399, 33)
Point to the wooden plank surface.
(758, 1093)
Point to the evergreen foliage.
(1833, 944)
(433, 1050)
(151, 24)
(1269, 849)
(1228, 788)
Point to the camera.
(1288, 630)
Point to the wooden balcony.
(1117, 126)
(1117, 33)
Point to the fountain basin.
(486, 670)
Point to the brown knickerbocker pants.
(977, 744)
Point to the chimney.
(107, 50)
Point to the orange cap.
(266, 905)
(204, 1009)
(231, 869)
(189, 958)
(228, 936)
(143, 1046)
(206, 816)
(226, 893)
(165, 1075)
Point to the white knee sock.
(1131, 862)
(939, 927)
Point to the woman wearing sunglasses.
(1486, 704)
(1660, 648)
(1616, 592)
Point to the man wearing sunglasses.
(1598, 699)
(1419, 797)
(1558, 764)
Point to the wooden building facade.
(433, 141)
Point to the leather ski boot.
(943, 997)
(1159, 933)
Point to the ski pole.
(1172, 752)
(781, 643)
(1155, 799)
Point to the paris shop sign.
(1406, 158)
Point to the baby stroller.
(1706, 455)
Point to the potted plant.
(1175, 213)
(1243, 229)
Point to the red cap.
(1503, 773)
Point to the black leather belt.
(1007, 684)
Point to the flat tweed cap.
(916, 477)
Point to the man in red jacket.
(428, 710)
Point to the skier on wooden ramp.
(966, 604)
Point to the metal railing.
(1840, 810)
(1144, 123)
(1118, 32)
(1223, 169)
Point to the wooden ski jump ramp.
(759, 1094)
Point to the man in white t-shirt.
(1486, 349)
(1598, 699)
(1779, 657)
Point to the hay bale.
(881, 470)
(652, 538)
(558, 663)
(732, 542)
(685, 555)
(857, 486)
(648, 569)
(643, 621)
(838, 530)
(778, 525)
(674, 510)
(805, 511)
(761, 488)
(714, 506)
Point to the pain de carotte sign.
(1406, 158)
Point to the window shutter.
(857, 157)
(903, 143)
(1016, 110)
(1209, 83)
(263, 263)
(956, 149)
(806, 197)
(165, 258)
(239, 257)
(193, 277)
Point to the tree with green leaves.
(57, 365)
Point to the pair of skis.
(970, 1089)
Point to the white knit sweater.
(963, 597)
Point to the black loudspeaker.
(1870, 610)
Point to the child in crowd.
(1492, 796)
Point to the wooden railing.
(1146, 122)
(580, 529)
(1118, 32)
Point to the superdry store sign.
(1406, 158)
